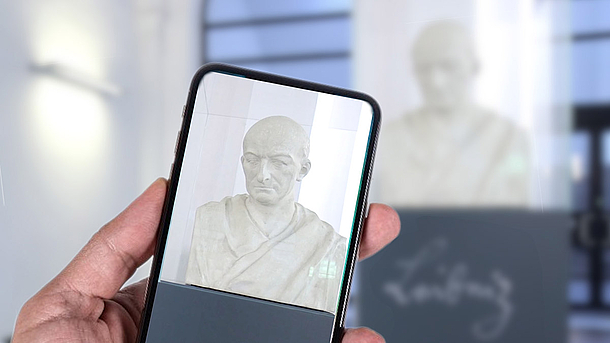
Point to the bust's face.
(445, 67)
(444, 76)
(271, 169)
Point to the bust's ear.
(305, 167)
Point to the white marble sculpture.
(451, 152)
(265, 244)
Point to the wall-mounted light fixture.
(76, 77)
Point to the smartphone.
(266, 202)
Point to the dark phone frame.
(170, 197)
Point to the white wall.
(71, 159)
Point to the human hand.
(85, 303)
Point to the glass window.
(333, 71)
(591, 71)
(580, 165)
(579, 287)
(605, 173)
(221, 11)
(590, 16)
(280, 39)
(309, 40)
(606, 284)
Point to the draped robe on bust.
(302, 265)
(476, 159)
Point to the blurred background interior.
(492, 105)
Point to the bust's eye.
(279, 163)
(251, 160)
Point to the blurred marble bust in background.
(264, 243)
(451, 152)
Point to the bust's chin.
(264, 199)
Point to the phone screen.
(262, 224)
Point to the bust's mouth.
(263, 188)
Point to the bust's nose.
(263, 172)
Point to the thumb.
(118, 249)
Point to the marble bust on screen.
(265, 244)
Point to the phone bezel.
(164, 223)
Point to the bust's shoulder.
(493, 118)
(214, 207)
(323, 229)
(310, 216)
(402, 129)
(497, 125)
(403, 122)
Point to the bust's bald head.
(276, 151)
(279, 131)
(445, 64)
(436, 38)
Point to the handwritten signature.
(454, 287)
